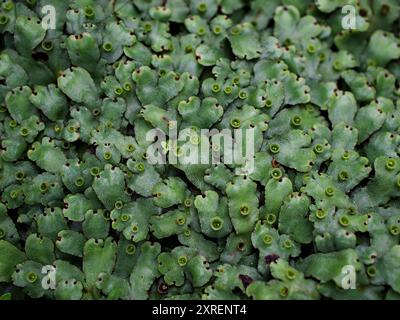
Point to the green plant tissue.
(199, 149)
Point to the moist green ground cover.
(85, 215)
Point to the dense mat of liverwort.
(313, 212)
